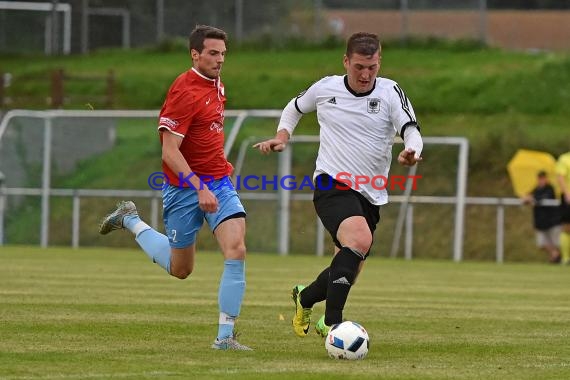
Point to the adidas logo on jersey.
(332, 100)
(342, 281)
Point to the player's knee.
(235, 252)
(360, 241)
(364, 247)
(180, 273)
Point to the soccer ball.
(347, 340)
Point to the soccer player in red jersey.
(196, 183)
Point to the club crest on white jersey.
(373, 105)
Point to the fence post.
(483, 21)
(239, 20)
(2, 84)
(404, 11)
(2, 207)
(320, 246)
(57, 77)
(500, 249)
(409, 237)
(154, 211)
(110, 88)
(75, 219)
(284, 162)
(403, 206)
(46, 182)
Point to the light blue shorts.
(183, 218)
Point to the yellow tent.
(524, 167)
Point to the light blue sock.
(153, 243)
(230, 296)
(130, 221)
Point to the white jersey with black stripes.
(356, 130)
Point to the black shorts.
(335, 202)
(564, 211)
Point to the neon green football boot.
(321, 328)
(302, 317)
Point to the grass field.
(107, 314)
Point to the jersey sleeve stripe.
(404, 101)
(297, 106)
(409, 124)
(163, 127)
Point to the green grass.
(514, 98)
(438, 78)
(102, 313)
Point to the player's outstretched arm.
(408, 157)
(276, 144)
(413, 143)
(172, 156)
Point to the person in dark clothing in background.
(546, 219)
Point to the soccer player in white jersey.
(359, 115)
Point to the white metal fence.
(407, 201)
(155, 196)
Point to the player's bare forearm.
(174, 159)
(276, 144)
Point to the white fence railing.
(283, 197)
(49, 115)
(155, 198)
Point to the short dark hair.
(201, 32)
(542, 174)
(362, 43)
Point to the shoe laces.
(306, 315)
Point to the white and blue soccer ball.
(347, 340)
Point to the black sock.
(343, 270)
(317, 291)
